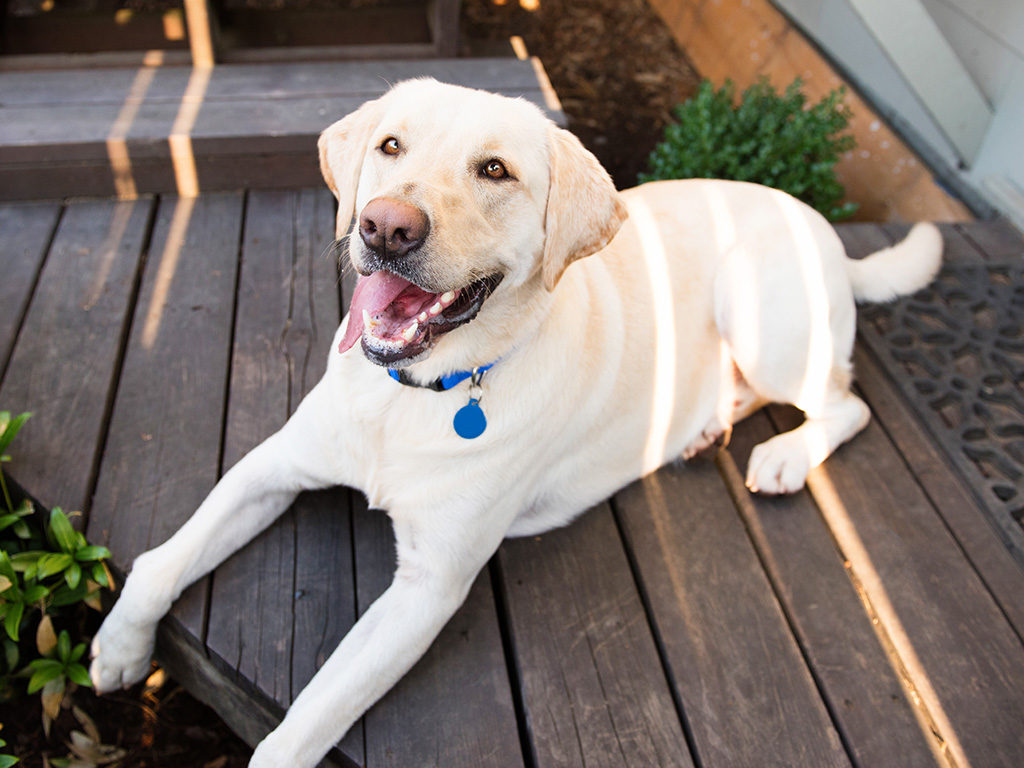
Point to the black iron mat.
(956, 350)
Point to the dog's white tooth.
(423, 317)
(367, 320)
(410, 333)
(448, 297)
(436, 309)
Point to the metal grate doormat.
(956, 350)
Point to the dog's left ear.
(584, 211)
(342, 148)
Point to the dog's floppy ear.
(584, 211)
(342, 147)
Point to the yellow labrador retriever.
(485, 385)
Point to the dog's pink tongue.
(374, 294)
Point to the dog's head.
(459, 201)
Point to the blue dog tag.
(469, 421)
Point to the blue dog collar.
(442, 384)
(469, 421)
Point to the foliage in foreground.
(49, 573)
(767, 138)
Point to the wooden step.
(128, 131)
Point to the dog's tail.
(898, 270)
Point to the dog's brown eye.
(390, 146)
(495, 169)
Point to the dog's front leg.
(439, 555)
(246, 500)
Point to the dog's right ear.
(342, 148)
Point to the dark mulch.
(613, 64)
(154, 727)
(618, 73)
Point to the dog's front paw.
(121, 652)
(779, 465)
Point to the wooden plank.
(997, 240)
(164, 442)
(323, 612)
(955, 378)
(443, 17)
(25, 233)
(593, 687)
(867, 701)
(107, 60)
(1001, 574)
(234, 82)
(733, 660)
(955, 645)
(287, 598)
(64, 364)
(454, 708)
(255, 170)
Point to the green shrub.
(767, 138)
(48, 575)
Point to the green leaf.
(6, 761)
(6, 567)
(54, 563)
(64, 535)
(9, 427)
(43, 671)
(64, 646)
(78, 652)
(99, 575)
(36, 593)
(11, 654)
(87, 553)
(80, 675)
(73, 575)
(13, 620)
(67, 596)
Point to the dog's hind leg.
(781, 464)
(786, 312)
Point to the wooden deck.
(875, 619)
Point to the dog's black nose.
(391, 228)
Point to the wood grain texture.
(593, 687)
(942, 483)
(865, 696)
(25, 232)
(61, 132)
(64, 364)
(256, 81)
(287, 597)
(995, 239)
(733, 660)
(959, 508)
(164, 442)
(957, 647)
(454, 708)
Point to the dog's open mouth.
(398, 321)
